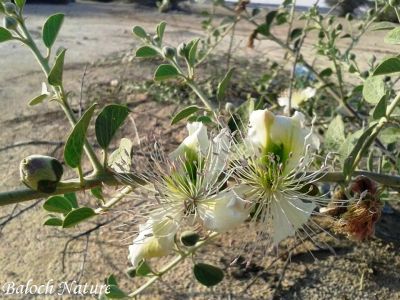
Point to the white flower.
(188, 187)
(271, 172)
(155, 239)
(298, 97)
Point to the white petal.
(288, 216)
(283, 101)
(223, 212)
(259, 123)
(309, 92)
(196, 141)
(218, 156)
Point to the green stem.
(59, 91)
(172, 264)
(387, 180)
(200, 94)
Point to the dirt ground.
(98, 38)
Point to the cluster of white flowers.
(215, 184)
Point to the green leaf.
(382, 26)
(393, 36)
(362, 143)
(53, 222)
(5, 35)
(208, 275)
(111, 280)
(224, 84)
(335, 136)
(389, 135)
(161, 29)
(56, 73)
(296, 33)
(74, 146)
(114, 292)
(184, 113)
(326, 72)
(380, 109)
(57, 204)
(374, 89)
(139, 32)
(388, 66)
(97, 192)
(71, 197)
(78, 215)
(146, 51)
(165, 72)
(108, 122)
(51, 29)
(20, 3)
(143, 269)
(204, 119)
(37, 100)
(193, 52)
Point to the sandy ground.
(99, 36)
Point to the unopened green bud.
(131, 272)
(365, 74)
(168, 52)
(352, 56)
(339, 27)
(182, 50)
(387, 79)
(41, 173)
(10, 22)
(189, 238)
(360, 26)
(331, 20)
(371, 12)
(321, 34)
(10, 8)
(349, 17)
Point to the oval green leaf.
(51, 28)
(208, 275)
(388, 66)
(56, 73)
(143, 269)
(165, 72)
(57, 204)
(374, 89)
(184, 113)
(222, 86)
(5, 35)
(107, 123)
(139, 32)
(146, 51)
(78, 215)
(74, 146)
(53, 222)
(393, 36)
(161, 30)
(37, 100)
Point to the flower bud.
(352, 56)
(349, 17)
(182, 50)
(339, 27)
(10, 8)
(371, 12)
(330, 20)
(10, 22)
(131, 272)
(229, 107)
(41, 173)
(168, 52)
(321, 34)
(189, 238)
(360, 26)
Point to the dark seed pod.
(41, 173)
